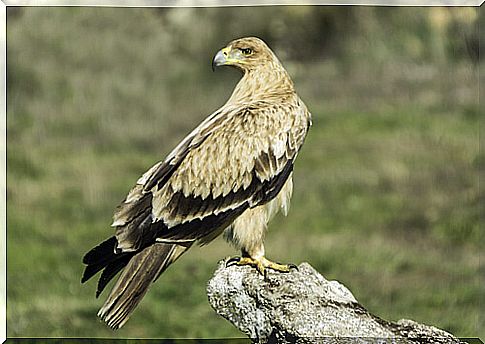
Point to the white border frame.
(133, 3)
(230, 3)
(3, 173)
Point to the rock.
(303, 307)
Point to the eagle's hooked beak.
(221, 58)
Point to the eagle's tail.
(141, 270)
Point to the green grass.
(386, 187)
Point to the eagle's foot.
(261, 264)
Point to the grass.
(386, 187)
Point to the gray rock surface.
(303, 307)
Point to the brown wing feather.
(250, 147)
(220, 168)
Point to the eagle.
(230, 175)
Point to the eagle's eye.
(246, 51)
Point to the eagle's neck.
(270, 82)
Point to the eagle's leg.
(247, 233)
(258, 261)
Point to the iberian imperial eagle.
(231, 174)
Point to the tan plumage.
(232, 173)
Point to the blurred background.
(386, 193)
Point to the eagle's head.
(246, 54)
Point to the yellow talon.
(261, 264)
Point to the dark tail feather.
(101, 253)
(91, 270)
(100, 257)
(142, 269)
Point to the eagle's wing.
(238, 158)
